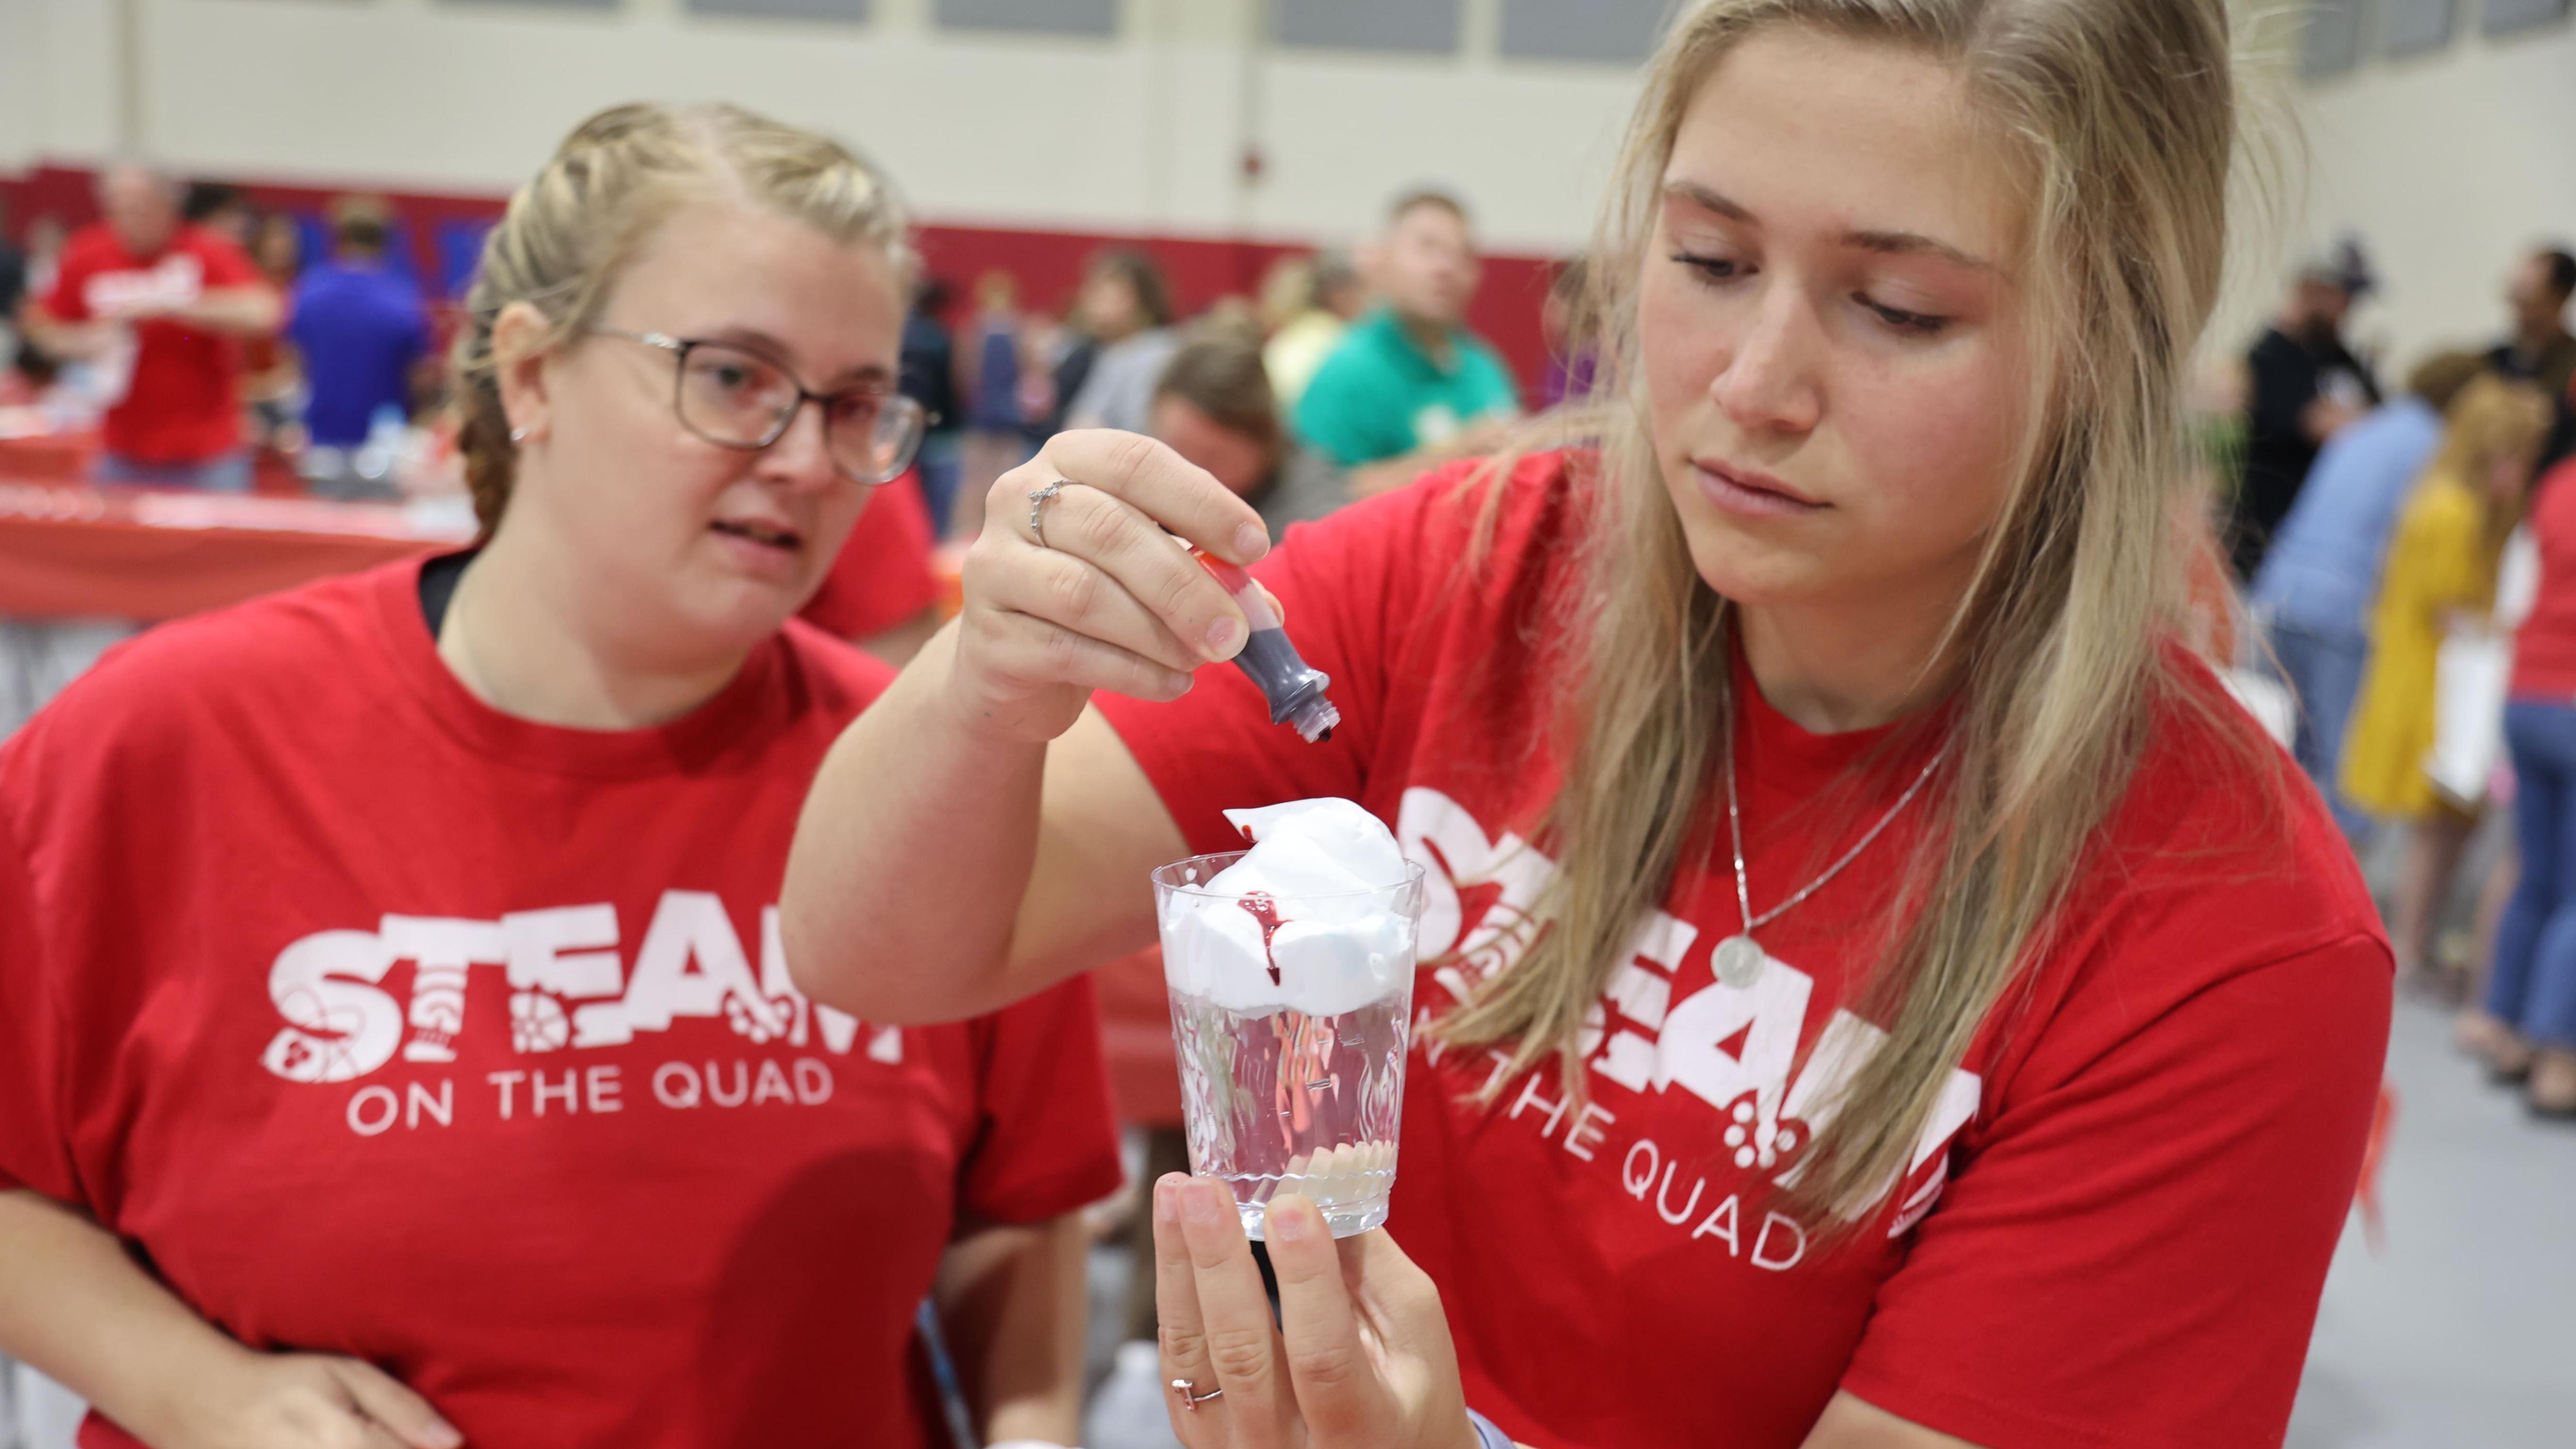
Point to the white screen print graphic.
(1636, 1035)
(177, 280)
(567, 983)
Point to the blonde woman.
(1885, 994)
(2441, 573)
(395, 1047)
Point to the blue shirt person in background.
(2314, 589)
(361, 327)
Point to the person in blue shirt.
(2314, 589)
(361, 327)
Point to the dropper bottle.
(1294, 688)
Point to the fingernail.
(1250, 542)
(444, 1435)
(1181, 684)
(1225, 637)
(1288, 1222)
(1163, 1192)
(1199, 1202)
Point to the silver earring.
(518, 435)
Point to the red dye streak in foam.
(1265, 910)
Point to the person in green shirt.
(1409, 386)
(1328, 292)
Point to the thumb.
(383, 1398)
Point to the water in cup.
(1290, 970)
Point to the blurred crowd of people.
(2411, 556)
(194, 332)
(1348, 374)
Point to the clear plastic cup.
(1283, 1100)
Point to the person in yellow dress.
(2441, 571)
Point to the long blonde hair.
(2492, 420)
(2122, 116)
(570, 232)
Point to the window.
(1031, 17)
(2330, 41)
(1420, 27)
(1620, 31)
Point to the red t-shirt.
(2544, 648)
(385, 1024)
(1136, 1036)
(2117, 1227)
(882, 576)
(184, 404)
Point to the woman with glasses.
(396, 1046)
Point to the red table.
(71, 551)
(49, 457)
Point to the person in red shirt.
(169, 305)
(396, 1045)
(1878, 992)
(2525, 1027)
(882, 593)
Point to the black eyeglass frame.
(889, 396)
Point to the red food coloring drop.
(1260, 906)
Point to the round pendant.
(1738, 962)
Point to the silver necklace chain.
(1746, 962)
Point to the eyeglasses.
(736, 398)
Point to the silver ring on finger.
(1190, 1399)
(1037, 508)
